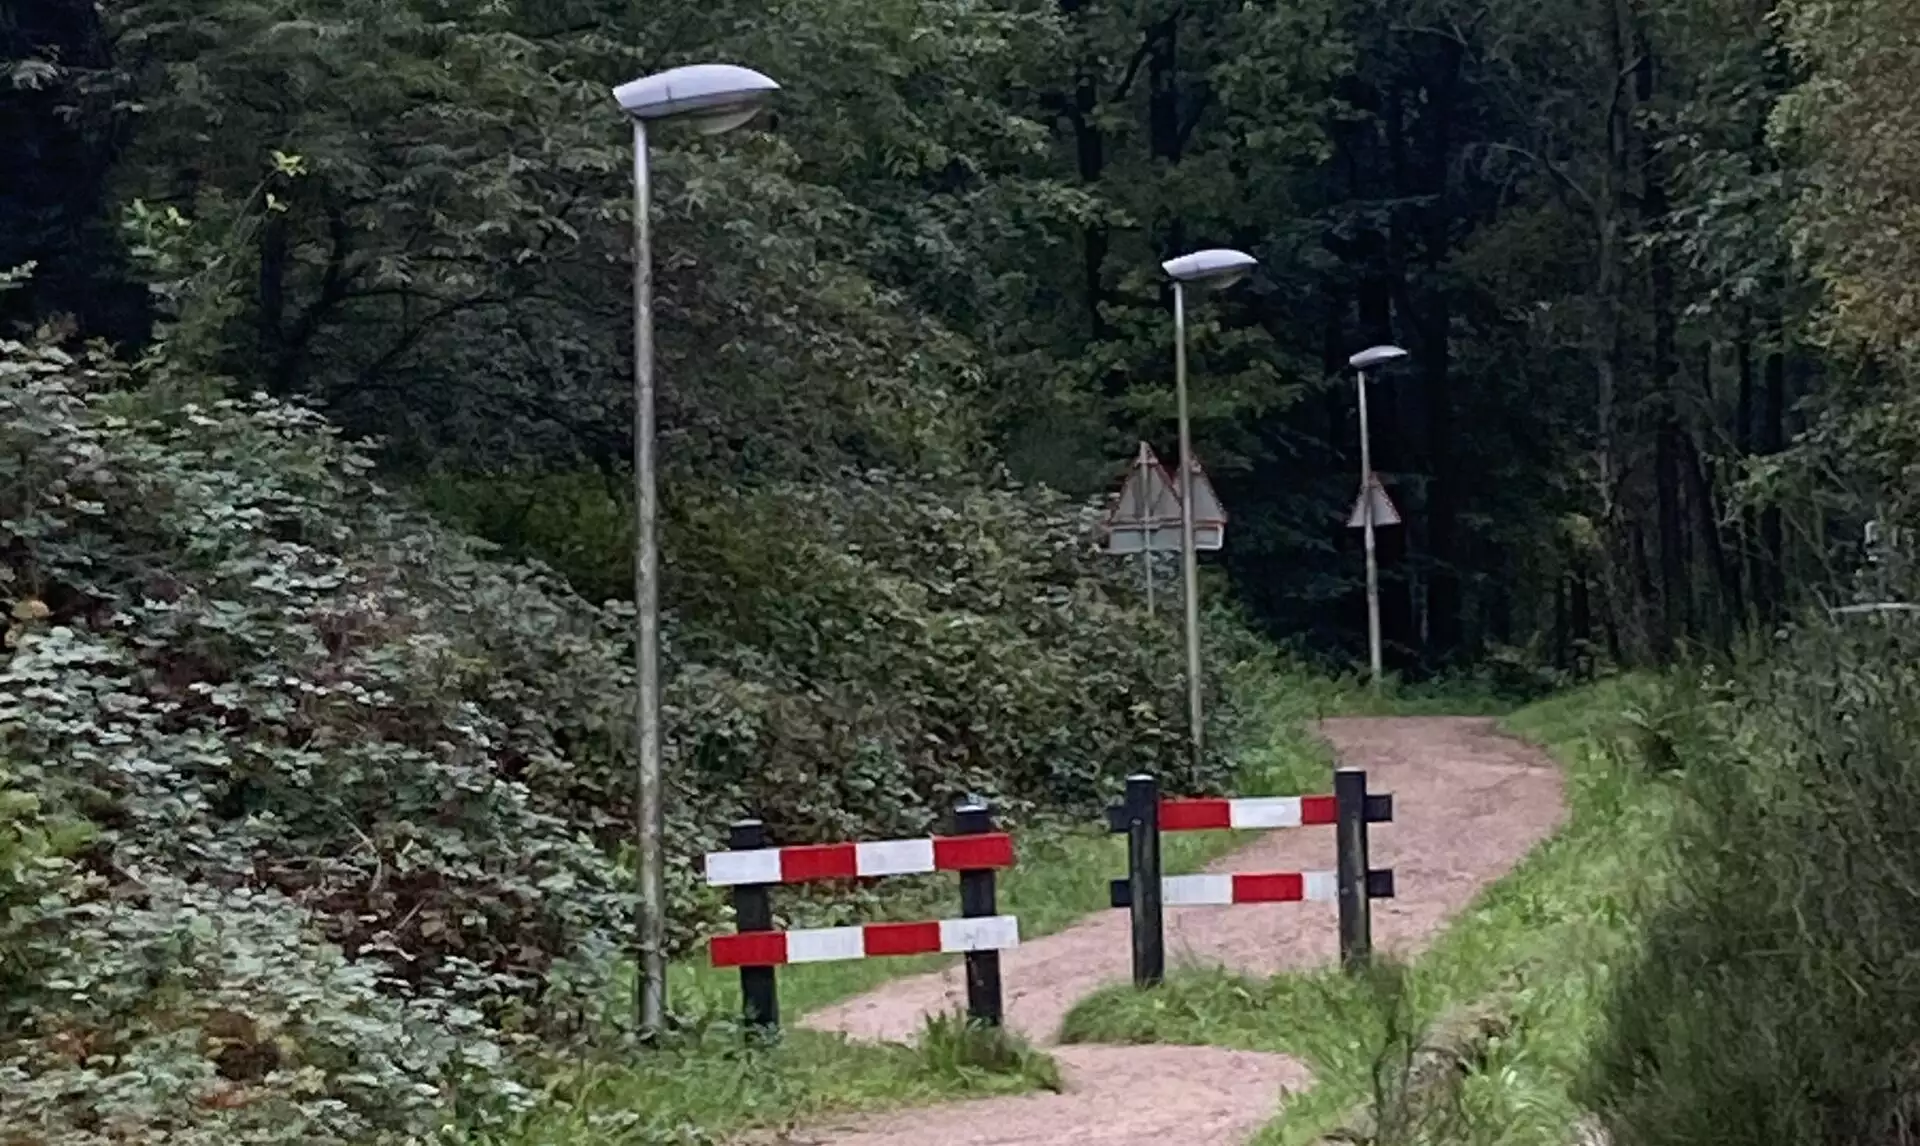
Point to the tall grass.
(1544, 942)
(709, 1084)
(1775, 998)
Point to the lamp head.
(1216, 267)
(710, 97)
(1376, 356)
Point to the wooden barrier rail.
(752, 869)
(1145, 892)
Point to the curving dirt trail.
(1468, 804)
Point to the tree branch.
(1186, 130)
(411, 338)
(1550, 167)
(1133, 66)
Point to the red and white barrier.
(1249, 887)
(873, 940)
(1253, 813)
(804, 863)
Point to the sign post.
(1366, 512)
(1153, 515)
(1146, 518)
(1372, 508)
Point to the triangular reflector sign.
(1148, 495)
(1147, 514)
(1373, 496)
(1206, 504)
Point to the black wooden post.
(979, 899)
(1356, 921)
(1143, 876)
(753, 911)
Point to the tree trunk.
(1674, 591)
(1163, 89)
(271, 321)
(1620, 607)
(1726, 574)
(1773, 439)
(1436, 353)
(1090, 153)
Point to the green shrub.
(36, 876)
(361, 789)
(1777, 997)
(866, 651)
(334, 820)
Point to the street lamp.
(1202, 269)
(1362, 362)
(710, 98)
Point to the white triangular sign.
(1147, 514)
(1148, 495)
(1373, 496)
(1206, 503)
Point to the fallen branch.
(1452, 1048)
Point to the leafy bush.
(317, 808)
(1777, 998)
(859, 654)
(333, 820)
(35, 874)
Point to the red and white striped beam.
(1256, 812)
(1222, 890)
(871, 941)
(809, 862)
(1253, 813)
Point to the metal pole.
(753, 911)
(1354, 885)
(979, 899)
(1146, 563)
(1143, 879)
(1189, 562)
(1366, 520)
(649, 814)
(1144, 473)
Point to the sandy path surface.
(1468, 804)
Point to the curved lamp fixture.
(1212, 268)
(1376, 356)
(712, 98)
(1216, 267)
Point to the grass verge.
(708, 1084)
(711, 1085)
(1547, 940)
(1063, 869)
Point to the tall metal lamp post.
(1202, 270)
(710, 98)
(1362, 362)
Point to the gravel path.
(1468, 804)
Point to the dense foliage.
(312, 802)
(1634, 246)
(1776, 996)
(313, 808)
(1616, 236)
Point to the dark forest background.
(315, 621)
(1581, 216)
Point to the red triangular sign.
(1206, 504)
(1148, 496)
(1373, 496)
